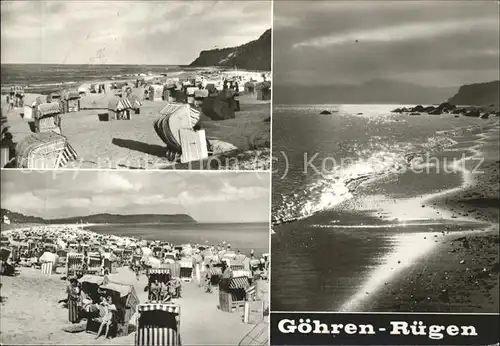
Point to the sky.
(126, 32)
(207, 197)
(438, 43)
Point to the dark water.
(42, 76)
(332, 233)
(244, 237)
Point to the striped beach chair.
(74, 264)
(94, 263)
(186, 273)
(48, 268)
(158, 324)
(44, 150)
(175, 269)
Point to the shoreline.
(426, 285)
(353, 184)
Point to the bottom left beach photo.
(134, 258)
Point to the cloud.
(451, 42)
(207, 197)
(403, 32)
(147, 32)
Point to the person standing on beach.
(73, 297)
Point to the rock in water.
(418, 108)
(325, 112)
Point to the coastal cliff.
(254, 55)
(478, 94)
(17, 218)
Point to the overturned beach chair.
(45, 150)
(158, 324)
(175, 127)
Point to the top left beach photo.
(151, 85)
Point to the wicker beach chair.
(44, 150)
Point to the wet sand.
(460, 274)
(31, 313)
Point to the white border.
(271, 175)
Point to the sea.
(345, 204)
(50, 77)
(242, 236)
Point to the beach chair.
(46, 150)
(236, 265)
(175, 117)
(186, 269)
(72, 102)
(163, 275)
(48, 117)
(215, 275)
(125, 299)
(94, 263)
(158, 324)
(232, 293)
(74, 264)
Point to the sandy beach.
(31, 300)
(460, 271)
(134, 144)
(31, 296)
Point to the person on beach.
(73, 298)
(155, 290)
(226, 270)
(208, 277)
(137, 274)
(108, 310)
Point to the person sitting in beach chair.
(155, 291)
(86, 302)
(176, 288)
(106, 313)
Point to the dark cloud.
(450, 41)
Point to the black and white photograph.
(136, 84)
(385, 188)
(134, 258)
